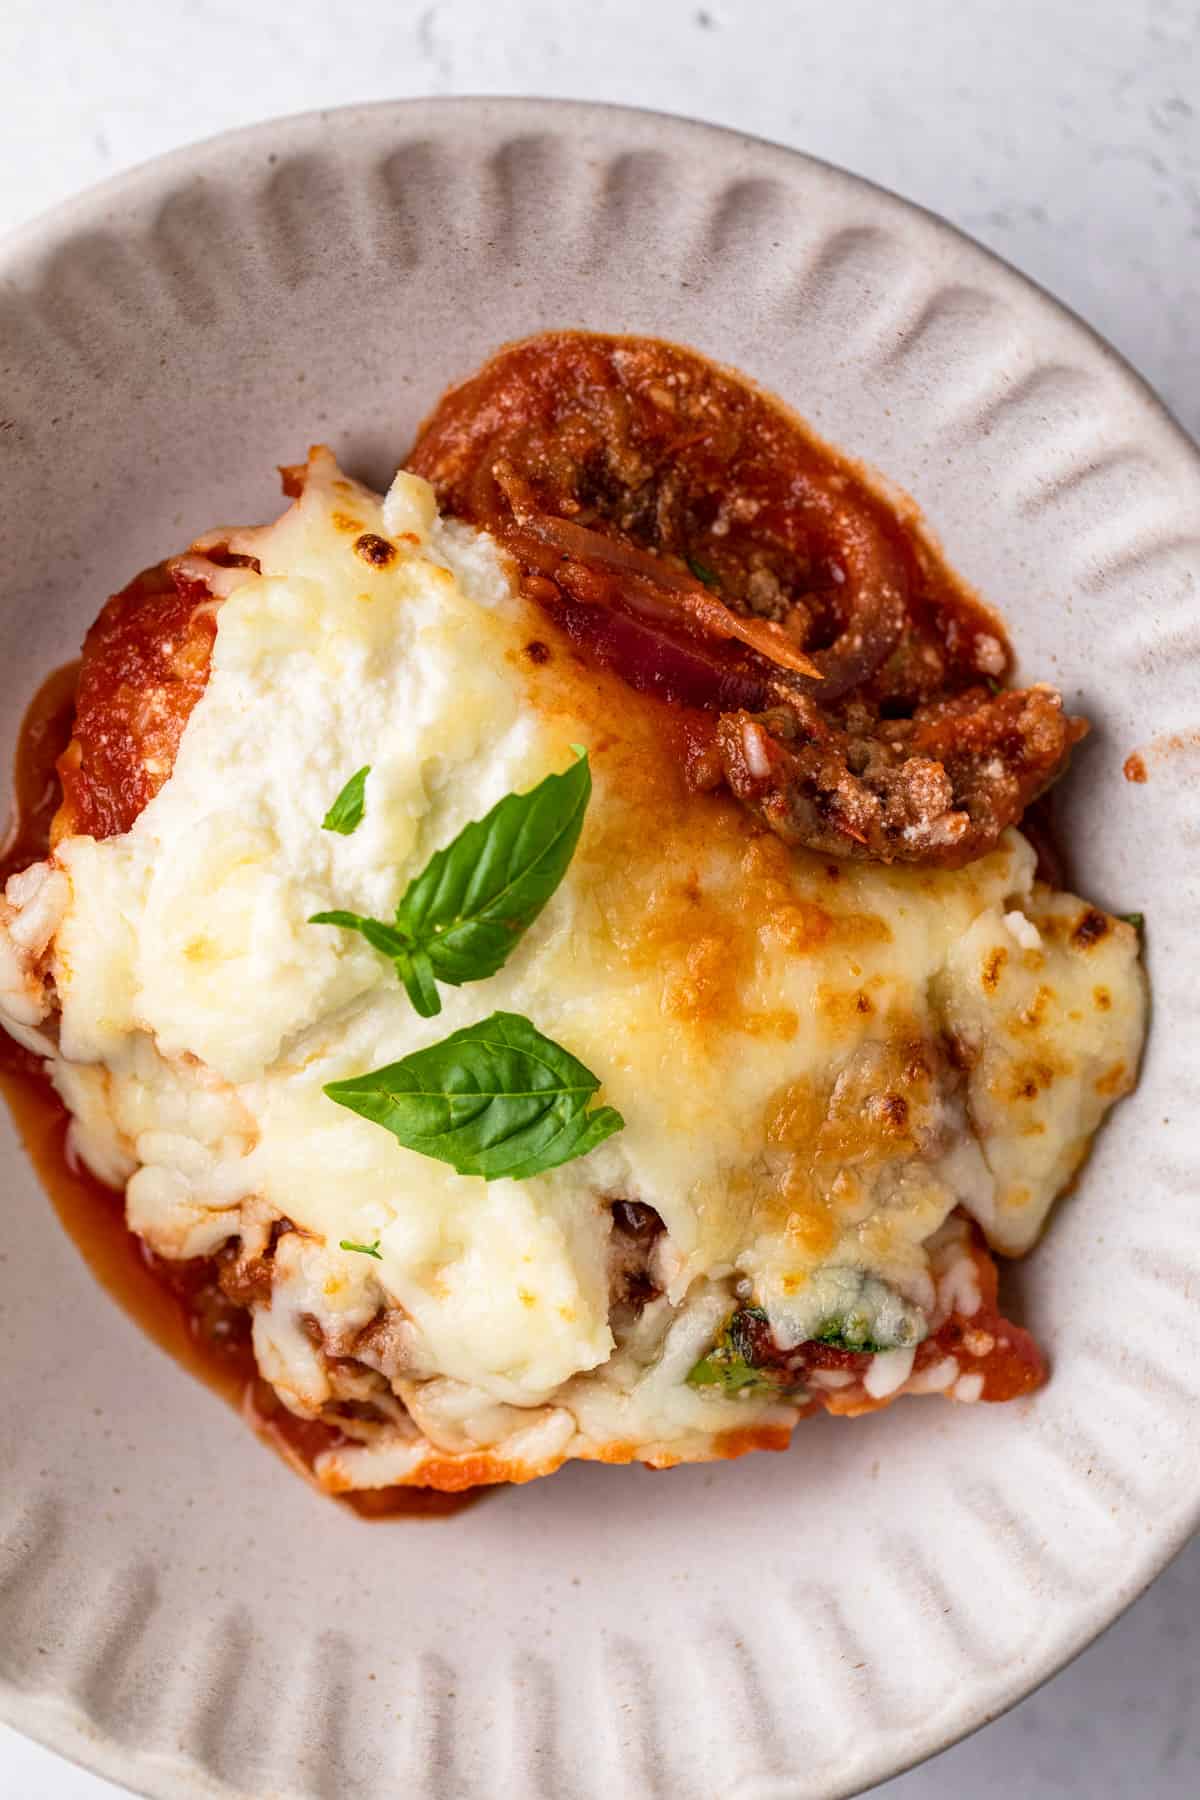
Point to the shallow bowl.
(177, 1610)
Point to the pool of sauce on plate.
(178, 1305)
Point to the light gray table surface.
(1063, 133)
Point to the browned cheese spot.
(891, 1110)
(1029, 1079)
(1089, 928)
(375, 550)
(1032, 1015)
(1114, 1081)
(993, 967)
(795, 1118)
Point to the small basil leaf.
(703, 573)
(474, 899)
(346, 813)
(363, 1249)
(496, 1099)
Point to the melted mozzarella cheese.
(773, 1026)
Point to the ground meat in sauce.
(636, 1229)
(939, 787)
(634, 480)
(246, 1280)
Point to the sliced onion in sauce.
(645, 571)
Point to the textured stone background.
(1063, 133)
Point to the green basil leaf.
(461, 916)
(703, 573)
(496, 1099)
(346, 813)
(363, 1249)
(416, 972)
(470, 905)
(1137, 920)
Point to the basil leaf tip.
(416, 972)
(346, 813)
(496, 1099)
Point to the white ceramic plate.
(177, 1610)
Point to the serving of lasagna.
(550, 950)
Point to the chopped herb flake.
(346, 813)
(845, 1335)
